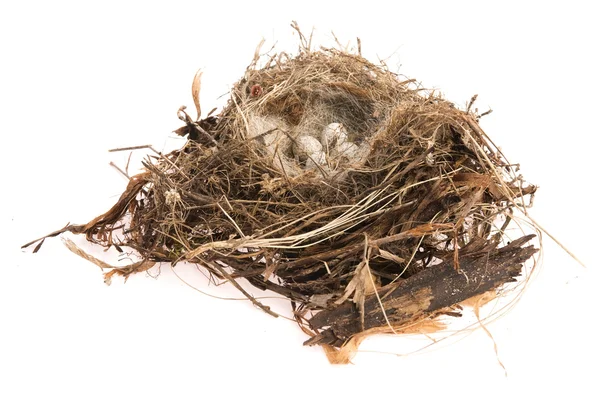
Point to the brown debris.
(369, 202)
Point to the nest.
(367, 201)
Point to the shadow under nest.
(367, 201)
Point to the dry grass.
(429, 189)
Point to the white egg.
(316, 160)
(348, 150)
(352, 153)
(332, 135)
(305, 146)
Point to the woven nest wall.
(368, 202)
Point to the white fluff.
(333, 135)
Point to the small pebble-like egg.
(348, 150)
(353, 153)
(305, 146)
(315, 160)
(333, 135)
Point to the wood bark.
(423, 294)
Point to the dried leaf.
(257, 52)
(359, 287)
(271, 266)
(196, 85)
(184, 130)
(38, 246)
(321, 300)
(390, 256)
(352, 285)
(345, 353)
(77, 250)
(125, 271)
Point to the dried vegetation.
(369, 202)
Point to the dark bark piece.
(431, 290)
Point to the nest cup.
(368, 202)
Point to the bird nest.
(368, 202)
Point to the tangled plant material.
(368, 202)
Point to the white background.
(77, 79)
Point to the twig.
(112, 164)
(227, 276)
(145, 146)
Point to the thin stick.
(145, 146)
(227, 276)
(170, 162)
(112, 164)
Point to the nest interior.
(366, 200)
